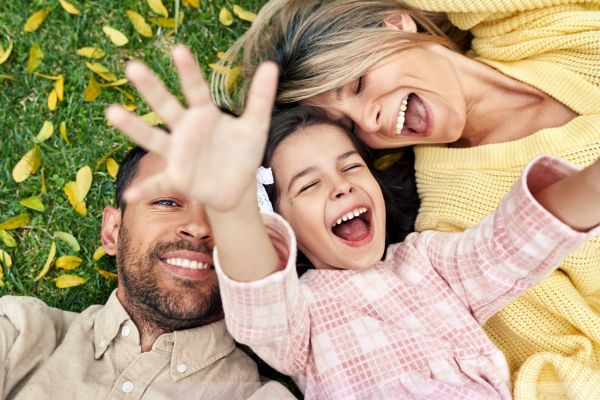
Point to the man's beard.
(164, 310)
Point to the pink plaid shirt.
(410, 326)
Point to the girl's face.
(330, 198)
(414, 97)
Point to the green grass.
(23, 109)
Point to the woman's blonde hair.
(321, 45)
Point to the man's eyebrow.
(299, 175)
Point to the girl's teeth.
(350, 215)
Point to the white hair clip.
(264, 176)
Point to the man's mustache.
(180, 245)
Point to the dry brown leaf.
(36, 55)
(77, 203)
(244, 15)
(192, 3)
(35, 20)
(99, 253)
(27, 165)
(112, 167)
(101, 71)
(7, 238)
(15, 222)
(34, 203)
(93, 90)
(158, 7)
(91, 52)
(5, 54)
(68, 263)
(48, 264)
(45, 133)
(225, 17)
(115, 36)
(139, 23)
(107, 274)
(67, 281)
(84, 181)
(63, 132)
(70, 8)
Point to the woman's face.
(330, 198)
(411, 98)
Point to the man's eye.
(166, 202)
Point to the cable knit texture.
(550, 336)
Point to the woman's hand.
(211, 157)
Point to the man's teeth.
(350, 215)
(185, 263)
(400, 120)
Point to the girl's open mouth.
(354, 227)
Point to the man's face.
(163, 246)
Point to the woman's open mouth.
(413, 117)
(354, 227)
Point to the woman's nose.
(369, 118)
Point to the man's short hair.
(127, 171)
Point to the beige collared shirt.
(48, 353)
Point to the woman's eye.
(166, 202)
(359, 85)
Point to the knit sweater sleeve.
(270, 315)
(510, 250)
(489, 6)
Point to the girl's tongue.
(353, 230)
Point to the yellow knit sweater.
(551, 335)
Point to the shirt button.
(127, 387)
(126, 330)
(181, 368)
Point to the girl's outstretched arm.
(210, 157)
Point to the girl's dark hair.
(397, 181)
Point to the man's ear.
(111, 223)
(400, 22)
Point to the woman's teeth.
(185, 263)
(400, 120)
(350, 215)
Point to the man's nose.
(194, 224)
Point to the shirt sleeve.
(270, 315)
(510, 250)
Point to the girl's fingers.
(148, 188)
(261, 96)
(150, 138)
(154, 92)
(192, 82)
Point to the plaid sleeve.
(509, 251)
(270, 314)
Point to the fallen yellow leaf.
(105, 157)
(27, 165)
(36, 55)
(48, 263)
(15, 222)
(67, 281)
(99, 253)
(107, 274)
(233, 78)
(244, 15)
(63, 132)
(152, 119)
(129, 107)
(35, 20)
(225, 17)
(158, 7)
(125, 93)
(101, 71)
(139, 23)
(43, 189)
(7, 77)
(112, 167)
(7, 238)
(5, 54)
(91, 52)
(70, 8)
(223, 56)
(119, 82)
(69, 240)
(33, 202)
(5, 259)
(77, 203)
(115, 36)
(45, 133)
(220, 69)
(192, 3)
(167, 22)
(59, 87)
(52, 100)
(84, 181)
(386, 161)
(51, 77)
(93, 90)
(68, 263)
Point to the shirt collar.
(191, 349)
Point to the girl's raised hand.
(211, 157)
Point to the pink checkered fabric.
(410, 326)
